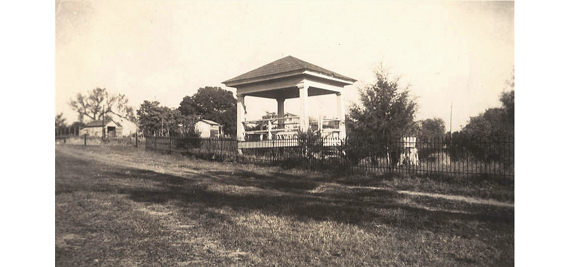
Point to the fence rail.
(67, 131)
(405, 155)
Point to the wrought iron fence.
(61, 132)
(406, 155)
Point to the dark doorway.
(111, 131)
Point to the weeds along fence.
(212, 149)
(97, 140)
(405, 155)
(67, 131)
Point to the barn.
(129, 128)
(209, 129)
(95, 128)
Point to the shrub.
(188, 142)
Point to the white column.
(303, 95)
(280, 111)
(240, 117)
(341, 115)
(269, 129)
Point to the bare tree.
(60, 121)
(99, 103)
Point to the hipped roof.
(285, 65)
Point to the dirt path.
(447, 197)
(123, 160)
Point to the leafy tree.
(163, 121)
(484, 135)
(99, 103)
(477, 137)
(495, 123)
(507, 99)
(431, 129)
(386, 113)
(187, 125)
(150, 117)
(212, 103)
(77, 125)
(486, 126)
(170, 122)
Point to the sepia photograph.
(284, 133)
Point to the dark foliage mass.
(77, 125)
(62, 128)
(163, 121)
(494, 125)
(212, 103)
(59, 121)
(431, 129)
(387, 112)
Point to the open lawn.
(118, 206)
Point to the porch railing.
(287, 127)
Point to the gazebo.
(284, 79)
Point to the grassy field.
(125, 207)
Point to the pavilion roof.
(285, 65)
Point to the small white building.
(129, 128)
(95, 128)
(209, 129)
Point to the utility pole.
(103, 112)
(451, 123)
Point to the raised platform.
(282, 143)
(268, 143)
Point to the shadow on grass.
(281, 195)
(274, 181)
(475, 185)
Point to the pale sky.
(164, 50)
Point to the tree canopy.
(495, 123)
(98, 103)
(60, 121)
(77, 125)
(151, 117)
(507, 99)
(386, 111)
(432, 128)
(159, 120)
(212, 103)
